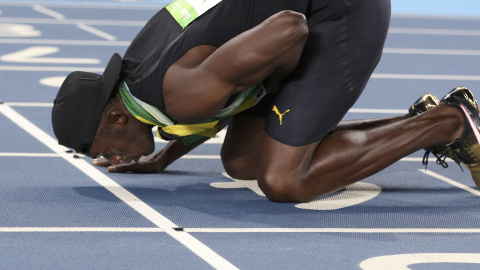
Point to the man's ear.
(116, 116)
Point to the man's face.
(125, 145)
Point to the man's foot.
(441, 152)
(466, 148)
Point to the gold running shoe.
(441, 152)
(466, 148)
(423, 104)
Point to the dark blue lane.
(336, 250)
(49, 192)
(86, 250)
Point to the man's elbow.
(295, 24)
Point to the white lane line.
(451, 182)
(94, 6)
(29, 155)
(70, 21)
(49, 12)
(201, 157)
(432, 31)
(329, 230)
(374, 76)
(52, 69)
(425, 77)
(431, 51)
(64, 42)
(16, 154)
(353, 110)
(215, 157)
(29, 104)
(244, 230)
(78, 229)
(386, 111)
(198, 248)
(436, 17)
(95, 31)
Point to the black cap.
(78, 107)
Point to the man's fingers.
(139, 167)
(121, 168)
(101, 162)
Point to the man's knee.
(239, 167)
(282, 188)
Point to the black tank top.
(163, 41)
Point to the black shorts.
(339, 57)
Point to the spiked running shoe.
(423, 104)
(441, 152)
(466, 148)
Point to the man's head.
(88, 114)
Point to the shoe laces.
(440, 160)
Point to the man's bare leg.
(242, 146)
(241, 149)
(291, 174)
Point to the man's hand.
(146, 164)
(158, 161)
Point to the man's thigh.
(338, 60)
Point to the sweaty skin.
(197, 86)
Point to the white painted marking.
(335, 230)
(247, 230)
(402, 261)
(441, 32)
(354, 194)
(216, 157)
(53, 69)
(48, 12)
(436, 17)
(200, 157)
(412, 159)
(28, 155)
(87, 6)
(28, 104)
(432, 51)
(78, 229)
(33, 55)
(374, 76)
(425, 77)
(96, 32)
(451, 182)
(74, 22)
(386, 111)
(65, 42)
(18, 30)
(131, 200)
(222, 133)
(250, 184)
(53, 81)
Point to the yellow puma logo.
(280, 115)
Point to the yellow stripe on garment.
(143, 120)
(246, 105)
(204, 129)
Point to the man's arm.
(158, 161)
(194, 92)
